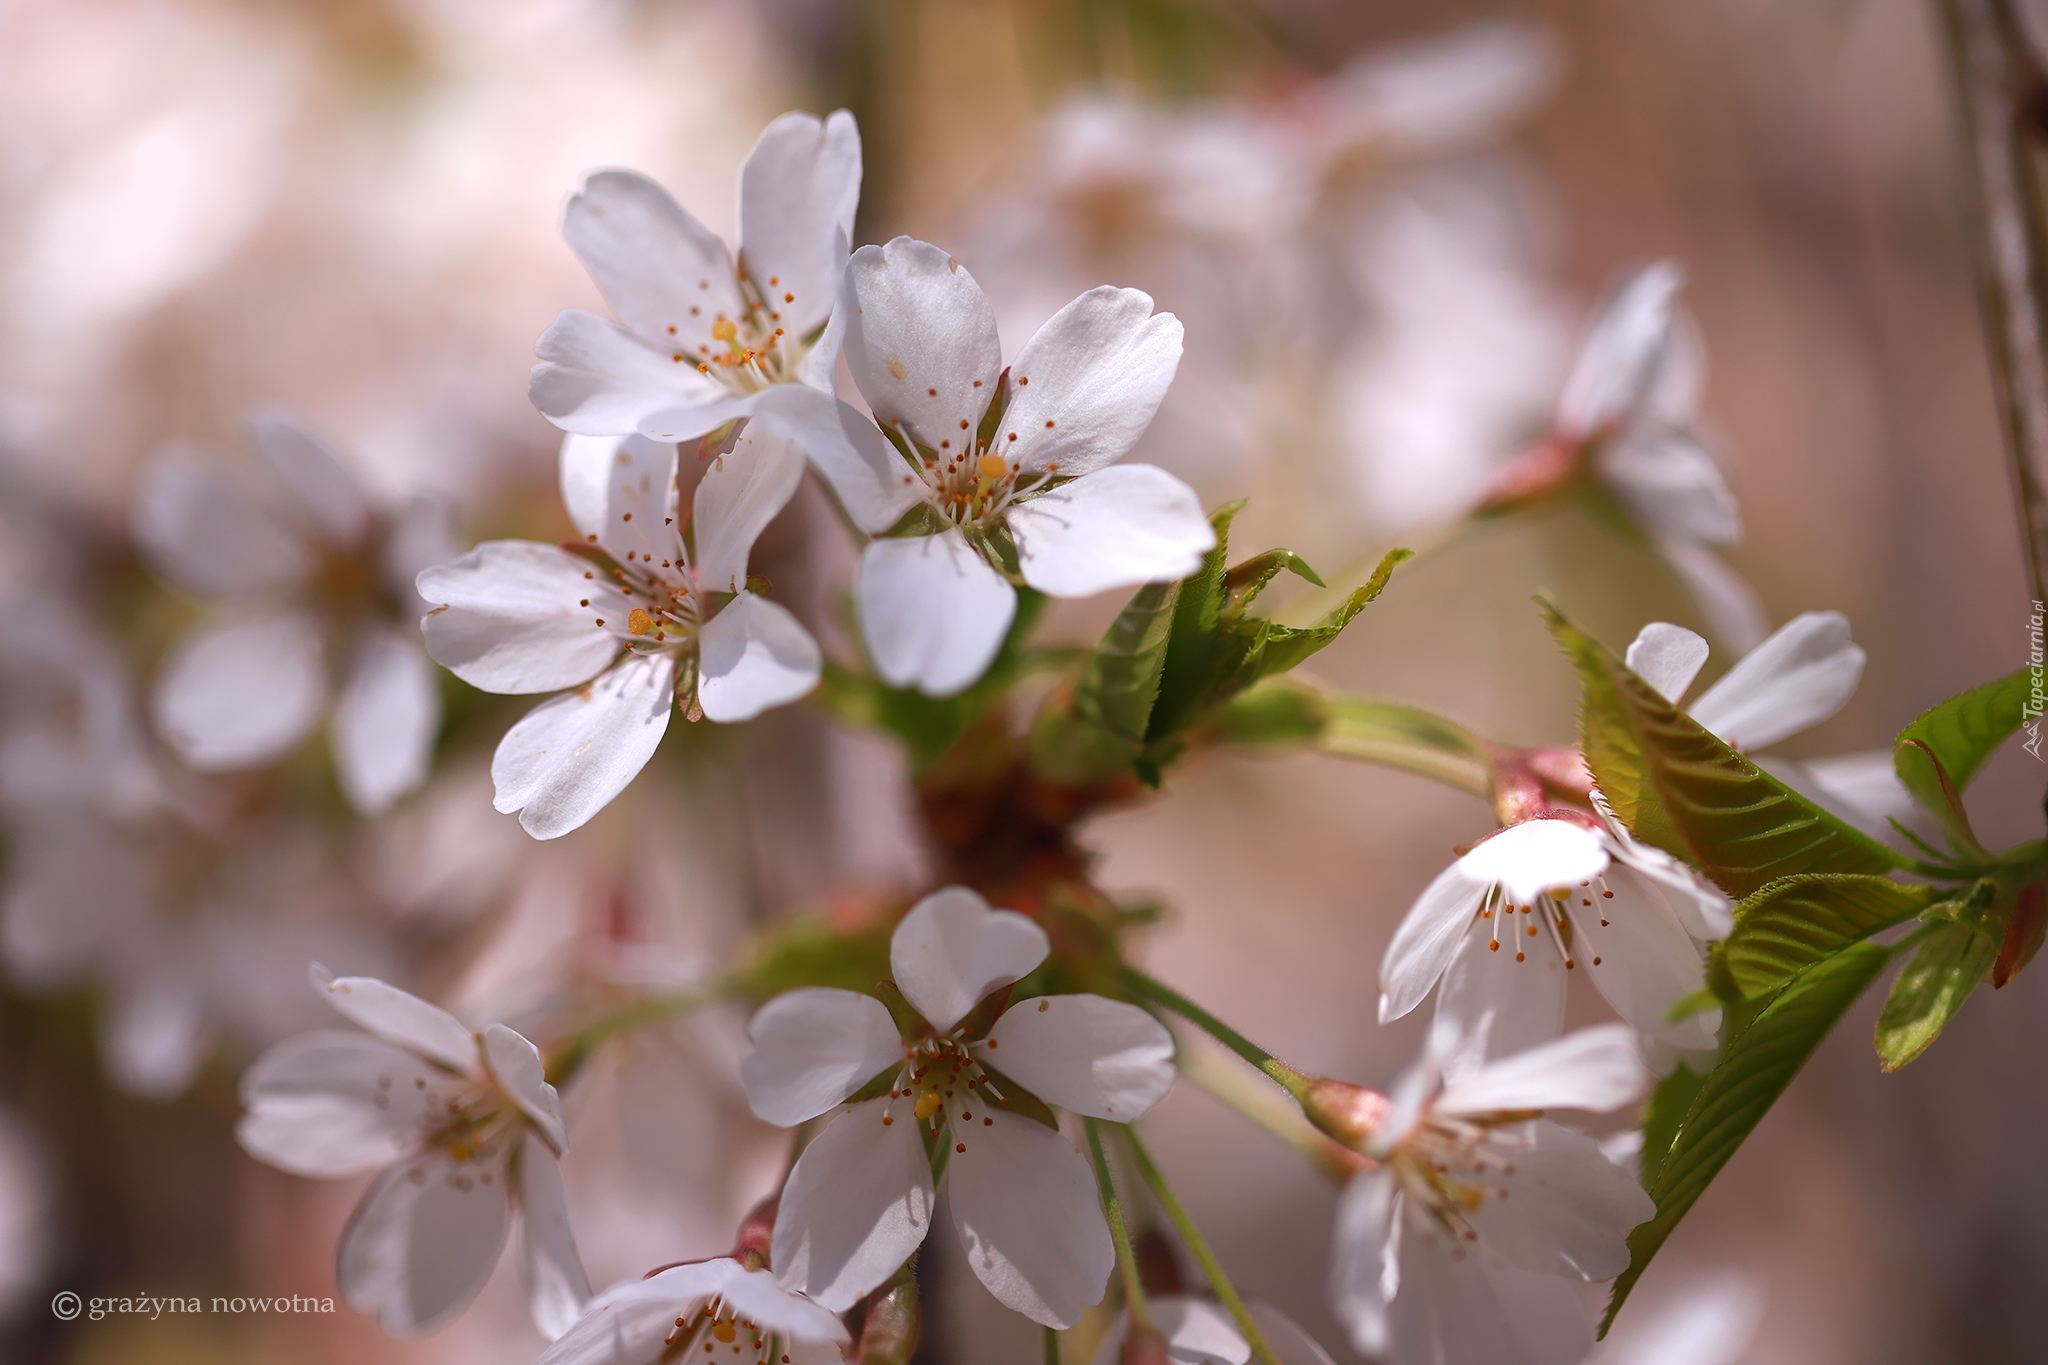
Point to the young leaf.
(1097, 728)
(1669, 1103)
(1676, 785)
(1796, 921)
(1959, 735)
(1948, 966)
(1756, 1064)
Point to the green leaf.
(1287, 646)
(1960, 734)
(1097, 728)
(1758, 1061)
(1392, 734)
(1669, 1103)
(1796, 921)
(1932, 988)
(1679, 787)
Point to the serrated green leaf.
(1796, 921)
(1962, 732)
(1758, 1061)
(1288, 646)
(1193, 645)
(1098, 728)
(1950, 963)
(1669, 1103)
(1676, 785)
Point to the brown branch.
(2003, 98)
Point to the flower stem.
(568, 1058)
(1281, 1074)
(1207, 1069)
(1191, 1238)
(1052, 1346)
(1134, 1292)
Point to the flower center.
(716, 1332)
(1442, 1169)
(1517, 925)
(946, 1086)
(967, 481)
(753, 351)
(473, 1122)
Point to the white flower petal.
(508, 617)
(1568, 1210)
(1797, 678)
(1427, 939)
(1528, 859)
(735, 500)
(1197, 1332)
(871, 480)
(753, 656)
(1291, 1345)
(920, 340)
(334, 1103)
(665, 274)
(516, 1065)
(951, 950)
(564, 760)
(423, 1241)
(1112, 529)
(156, 1032)
(755, 1295)
(420, 537)
(1023, 1202)
(1672, 485)
(1700, 907)
(1490, 1004)
(1731, 608)
(627, 1324)
(386, 720)
(1364, 1266)
(327, 494)
(205, 533)
(1098, 1057)
(814, 1047)
(1667, 657)
(239, 693)
(1596, 1069)
(621, 491)
(556, 1288)
(798, 191)
(932, 611)
(1619, 362)
(857, 1204)
(1643, 960)
(400, 1017)
(1085, 387)
(598, 379)
(1454, 1306)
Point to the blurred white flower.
(1435, 1261)
(1009, 468)
(1710, 1320)
(1202, 1332)
(707, 330)
(718, 1303)
(313, 596)
(859, 1200)
(466, 1129)
(26, 1200)
(1502, 926)
(520, 616)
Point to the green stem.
(1281, 1074)
(1207, 1069)
(575, 1050)
(1191, 1238)
(1134, 1292)
(1052, 1346)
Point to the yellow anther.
(639, 622)
(991, 466)
(928, 1104)
(723, 330)
(724, 1331)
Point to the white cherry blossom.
(716, 1310)
(1461, 1243)
(465, 1129)
(1023, 1199)
(707, 331)
(1503, 926)
(637, 618)
(1202, 1332)
(311, 582)
(1011, 471)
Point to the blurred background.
(1384, 224)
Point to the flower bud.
(1144, 1346)
(888, 1330)
(756, 1234)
